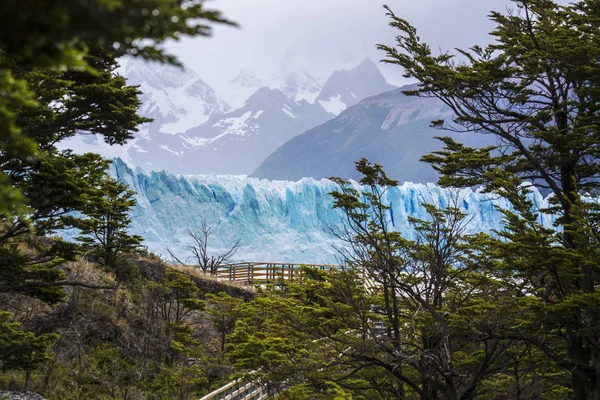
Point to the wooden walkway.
(253, 273)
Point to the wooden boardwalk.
(253, 273)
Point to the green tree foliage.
(48, 33)
(104, 228)
(412, 318)
(66, 35)
(58, 79)
(430, 287)
(223, 311)
(537, 90)
(66, 103)
(60, 183)
(19, 349)
(150, 338)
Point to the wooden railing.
(253, 272)
(266, 272)
(237, 390)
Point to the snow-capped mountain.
(296, 85)
(278, 108)
(390, 129)
(345, 88)
(232, 143)
(300, 85)
(176, 98)
(279, 220)
(196, 132)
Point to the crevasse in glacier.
(278, 221)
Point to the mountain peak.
(366, 63)
(245, 79)
(345, 88)
(155, 74)
(265, 92)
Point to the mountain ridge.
(390, 129)
(196, 131)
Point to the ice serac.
(276, 220)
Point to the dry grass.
(88, 272)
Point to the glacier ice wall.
(276, 220)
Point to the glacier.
(279, 221)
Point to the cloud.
(324, 35)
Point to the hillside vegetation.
(153, 336)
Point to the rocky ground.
(20, 396)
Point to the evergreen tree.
(420, 323)
(62, 36)
(537, 89)
(104, 227)
(20, 349)
(58, 183)
(58, 79)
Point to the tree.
(20, 349)
(537, 90)
(67, 103)
(200, 251)
(104, 227)
(424, 330)
(61, 36)
(428, 288)
(223, 312)
(57, 79)
(58, 183)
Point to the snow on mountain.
(300, 85)
(176, 98)
(347, 87)
(195, 131)
(390, 129)
(235, 142)
(237, 90)
(296, 85)
(278, 220)
(334, 105)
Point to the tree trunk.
(585, 377)
(585, 387)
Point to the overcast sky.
(324, 35)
